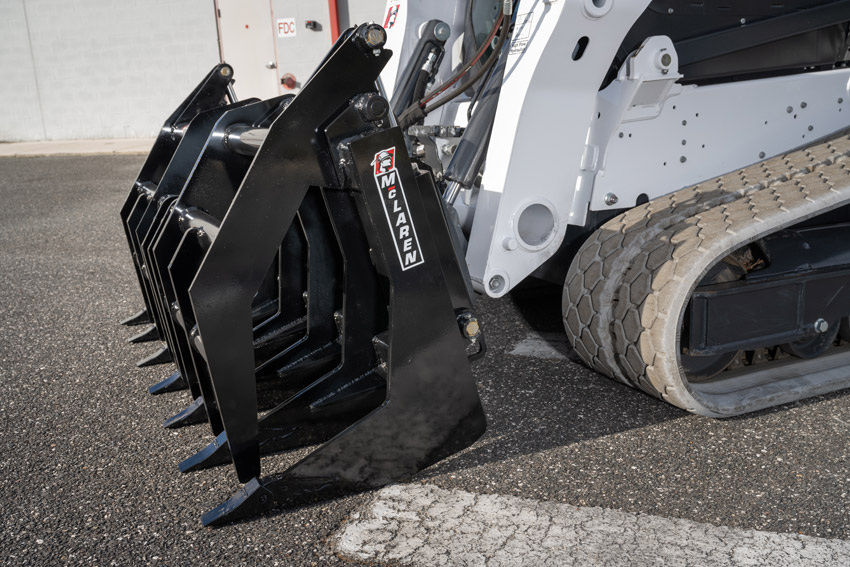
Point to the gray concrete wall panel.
(21, 118)
(104, 69)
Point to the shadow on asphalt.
(534, 404)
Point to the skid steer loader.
(311, 262)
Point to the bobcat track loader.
(310, 262)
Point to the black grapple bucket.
(301, 274)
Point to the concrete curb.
(118, 146)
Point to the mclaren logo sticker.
(393, 8)
(395, 206)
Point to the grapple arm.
(321, 270)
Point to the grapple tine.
(174, 383)
(181, 270)
(148, 335)
(141, 318)
(150, 223)
(216, 453)
(247, 241)
(324, 297)
(194, 414)
(184, 234)
(209, 93)
(161, 356)
(356, 385)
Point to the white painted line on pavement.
(423, 525)
(546, 345)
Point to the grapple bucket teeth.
(302, 276)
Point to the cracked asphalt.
(88, 475)
(426, 525)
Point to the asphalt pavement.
(89, 476)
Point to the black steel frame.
(280, 270)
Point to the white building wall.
(99, 68)
(21, 115)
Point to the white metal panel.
(246, 38)
(300, 53)
(541, 128)
(702, 132)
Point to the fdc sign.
(286, 27)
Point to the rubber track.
(628, 286)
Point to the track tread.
(650, 258)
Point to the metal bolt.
(821, 326)
(375, 36)
(442, 31)
(469, 325)
(743, 21)
(372, 107)
(226, 71)
(448, 149)
(611, 199)
(666, 59)
(418, 150)
(496, 283)
(510, 244)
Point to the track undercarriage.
(697, 297)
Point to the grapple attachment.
(301, 273)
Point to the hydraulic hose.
(472, 149)
(417, 111)
(480, 72)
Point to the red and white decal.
(397, 212)
(286, 27)
(393, 8)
